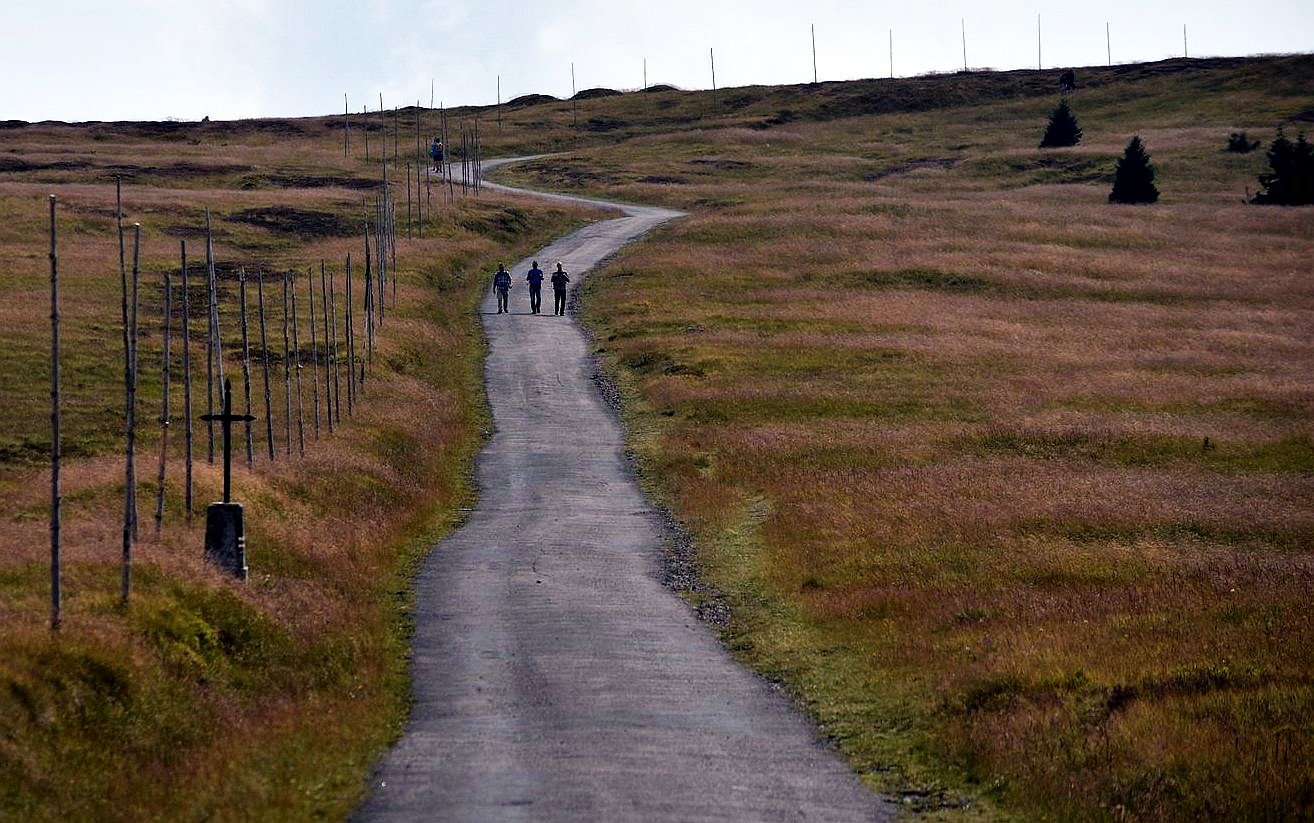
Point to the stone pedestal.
(225, 538)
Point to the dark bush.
(1239, 143)
(1133, 180)
(1291, 183)
(1062, 129)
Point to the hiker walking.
(436, 154)
(535, 278)
(559, 281)
(502, 287)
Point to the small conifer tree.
(1133, 182)
(1062, 129)
(1291, 182)
(1240, 143)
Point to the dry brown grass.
(940, 435)
(207, 697)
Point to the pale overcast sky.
(155, 59)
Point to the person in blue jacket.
(535, 278)
(502, 287)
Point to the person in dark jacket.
(535, 278)
(502, 287)
(559, 281)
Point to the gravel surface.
(555, 677)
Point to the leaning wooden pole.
(246, 370)
(314, 348)
(187, 385)
(164, 407)
(130, 473)
(264, 356)
(56, 563)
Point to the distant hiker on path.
(559, 281)
(502, 286)
(436, 154)
(535, 278)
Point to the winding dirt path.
(554, 677)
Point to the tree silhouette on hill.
(1291, 183)
(1133, 181)
(1062, 129)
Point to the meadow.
(1010, 487)
(206, 698)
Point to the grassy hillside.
(1010, 486)
(207, 699)
(932, 411)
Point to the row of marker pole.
(471, 177)
(380, 261)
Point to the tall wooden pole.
(264, 356)
(296, 360)
(349, 313)
(336, 410)
(328, 355)
(368, 306)
(711, 53)
(209, 340)
(1108, 42)
(447, 159)
(963, 22)
(287, 369)
(130, 512)
(187, 385)
(56, 562)
(246, 370)
(419, 161)
(574, 120)
(164, 407)
(346, 129)
(129, 488)
(216, 350)
(814, 52)
(314, 347)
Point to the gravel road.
(554, 677)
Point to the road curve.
(554, 678)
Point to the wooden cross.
(227, 419)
